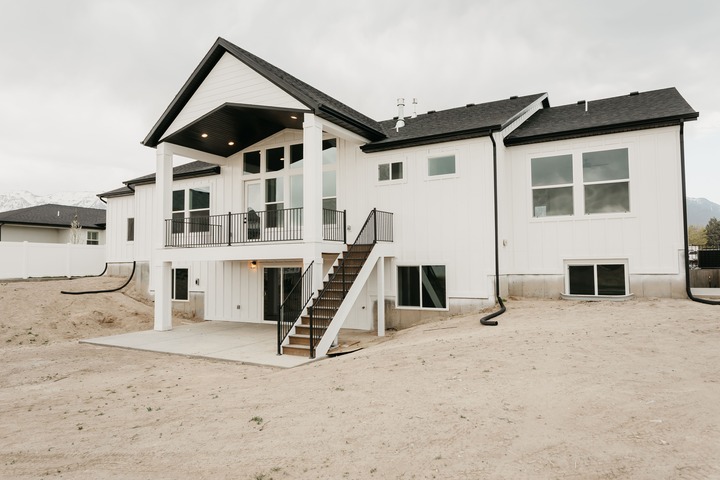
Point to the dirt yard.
(559, 390)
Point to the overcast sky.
(82, 82)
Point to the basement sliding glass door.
(277, 284)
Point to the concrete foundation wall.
(551, 286)
(397, 318)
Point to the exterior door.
(277, 284)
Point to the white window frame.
(390, 163)
(92, 237)
(594, 263)
(186, 211)
(579, 183)
(419, 266)
(440, 154)
(533, 188)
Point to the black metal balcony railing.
(294, 304)
(281, 225)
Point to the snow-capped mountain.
(16, 200)
(700, 210)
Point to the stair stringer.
(341, 315)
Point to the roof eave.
(177, 176)
(604, 130)
(430, 139)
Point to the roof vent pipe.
(401, 106)
(414, 114)
(586, 106)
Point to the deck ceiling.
(231, 128)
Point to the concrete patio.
(249, 343)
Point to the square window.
(93, 238)
(552, 179)
(582, 279)
(444, 165)
(199, 198)
(251, 162)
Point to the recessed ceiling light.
(231, 143)
(294, 117)
(204, 135)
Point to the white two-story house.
(298, 210)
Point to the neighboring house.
(584, 201)
(52, 224)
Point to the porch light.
(253, 265)
(204, 135)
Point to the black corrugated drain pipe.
(487, 320)
(132, 274)
(688, 290)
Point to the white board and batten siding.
(231, 81)
(443, 220)
(650, 236)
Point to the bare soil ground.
(558, 390)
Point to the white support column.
(163, 211)
(163, 297)
(381, 296)
(312, 179)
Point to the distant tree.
(75, 230)
(712, 230)
(697, 236)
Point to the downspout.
(688, 290)
(487, 320)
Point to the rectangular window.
(274, 159)
(422, 286)
(191, 208)
(93, 238)
(274, 202)
(606, 177)
(444, 165)
(251, 162)
(178, 208)
(329, 152)
(390, 171)
(552, 185)
(597, 279)
(296, 155)
(180, 284)
(329, 196)
(130, 229)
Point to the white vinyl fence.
(33, 260)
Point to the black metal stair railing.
(378, 227)
(294, 304)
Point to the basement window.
(180, 284)
(422, 287)
(597, 279)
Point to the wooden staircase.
(328, 300)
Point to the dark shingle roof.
(53, 215)
(187, 170)
(453, 124)
(321, 104)
(609, 115)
